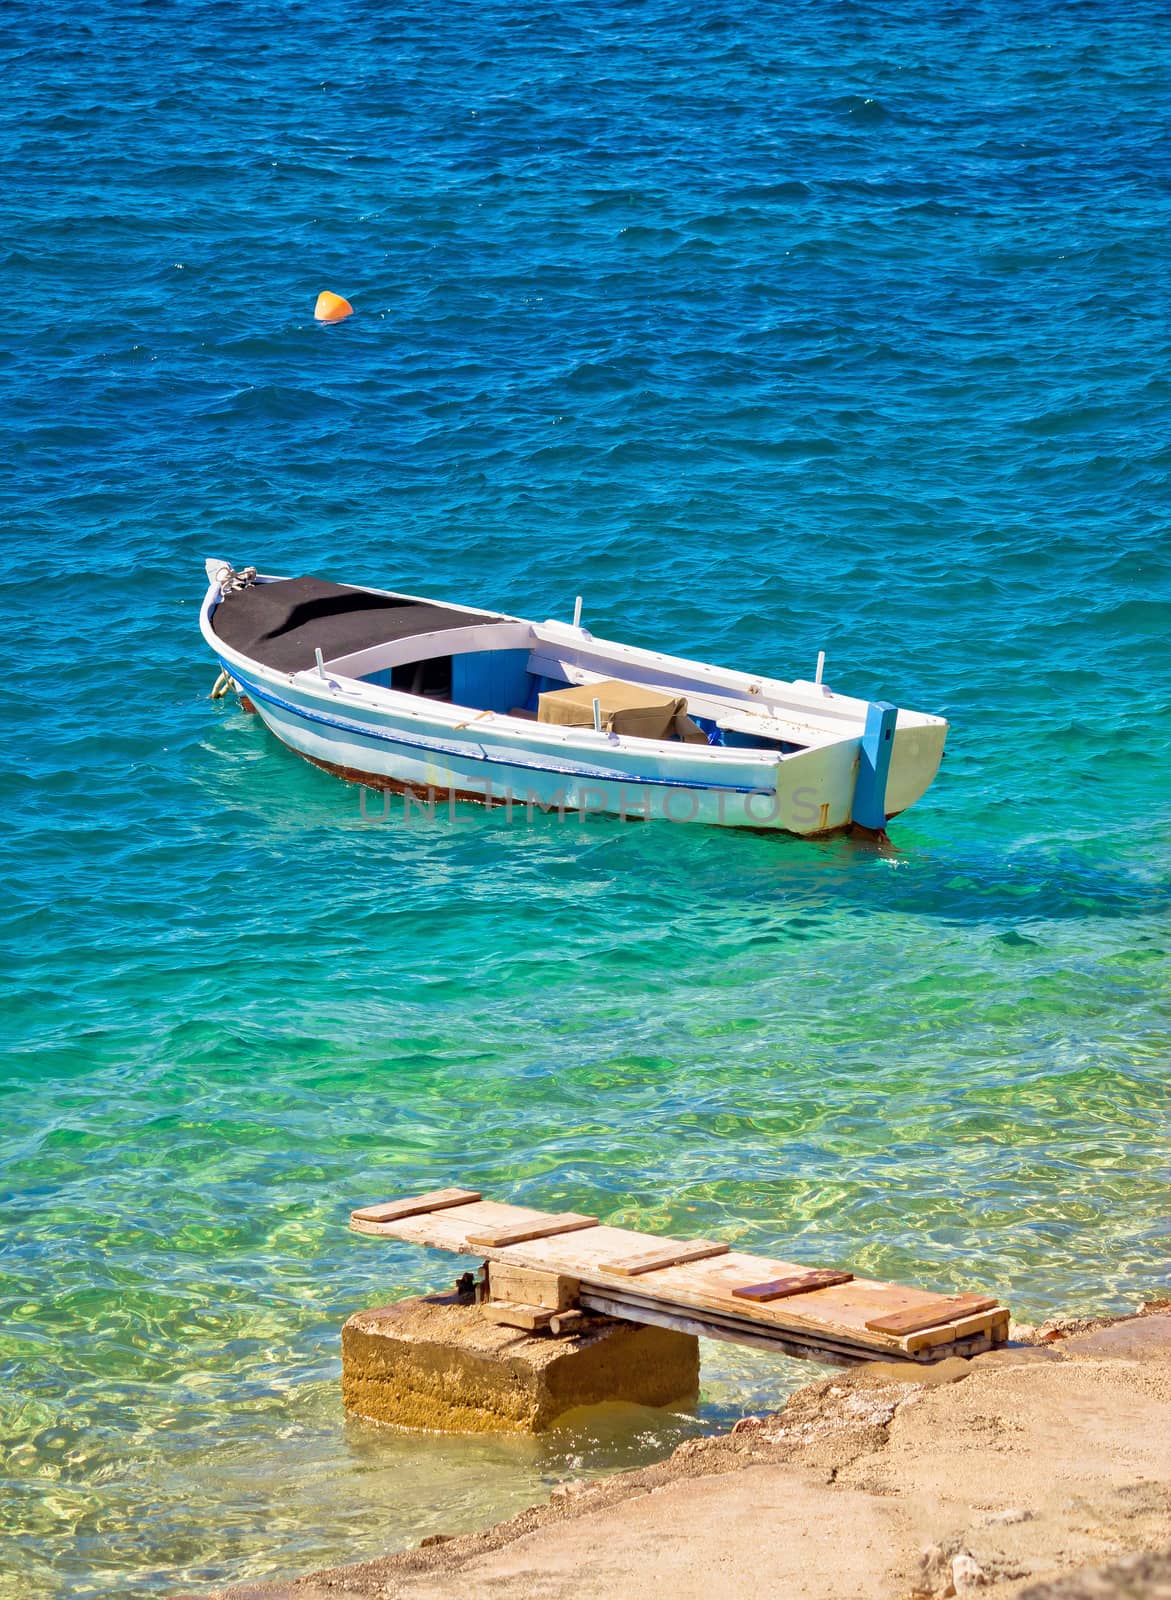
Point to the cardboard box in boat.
(626, 708)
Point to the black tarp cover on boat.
(281, 624)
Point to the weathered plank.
(586, 1253)
(415, 1205)
(800, 1283)
(530, 1319)
(448, 1230)
(529, 1287)
(994, 1322)
(711, 1325)
(840, 1310)
(931, 1313)
(750, 1330)
(673, 1253)
(519, 1233)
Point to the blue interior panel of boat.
(707, 726)
(539, 685)
(491, 680)
(730, 739)
(735, 740)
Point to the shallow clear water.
(842, 332)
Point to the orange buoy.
(331, 307)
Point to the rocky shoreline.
(1036, 1471)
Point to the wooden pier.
(546, 1270)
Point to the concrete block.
(438, 1363)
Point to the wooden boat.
(445, 703)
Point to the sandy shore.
(1039, 1471)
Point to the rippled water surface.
(767, 330)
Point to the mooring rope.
(235, 581)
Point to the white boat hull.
(438, 755)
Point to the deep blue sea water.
(767, 329)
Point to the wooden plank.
(838, 1312)
(415, 1205)
(733, 1330)
(961, 1328)
(638, 1304)
(583, 1253)
(930, 1313)
(530, 1319)
(782, 1288)
(742, 1327)
(529, 1287)
(544, 1227)
(448, 1230)
(673, 1253)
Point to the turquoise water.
(767, 334)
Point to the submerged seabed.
(843, 331)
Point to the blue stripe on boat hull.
(477, 752)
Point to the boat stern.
(915, 756)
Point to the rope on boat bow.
(231, 581)
(228, 580)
